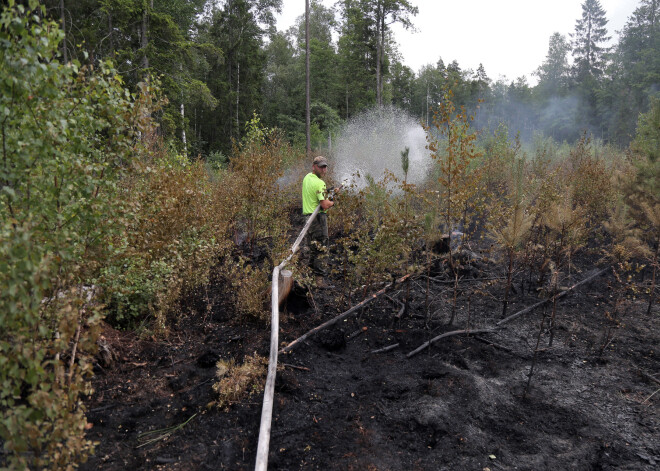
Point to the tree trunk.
(183, 129)
(382, 58)
(307, 83)
(111, 35)
(64, 48)
(508, 283)
(655, 269)
(379, 50)
(144, 38)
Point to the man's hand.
(333, 192)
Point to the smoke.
(373, 141)
(563, 118)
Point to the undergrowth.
(102, 220)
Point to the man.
(314, 193)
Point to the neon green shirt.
(313, 192)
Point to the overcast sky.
(509, 37)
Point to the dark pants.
(317, 241)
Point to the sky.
(509, 37)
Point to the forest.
(221, 62)
(495, 288)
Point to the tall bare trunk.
(144, 38)
(111, 35)
(379, 51)
(307, 83)
(183, 129)
(64, 48)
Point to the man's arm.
(326, 204)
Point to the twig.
(341, 316)
(448, 334)
(72, 361)
(649, 377)
(386, 349)
(316, 309)
(558, 296)
(645, 400)
(363, 287)
(295, 367)
(356, 333)
(102, 408)
(163, 432)
(403, 306)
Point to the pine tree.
(589, 39)
(553, 74)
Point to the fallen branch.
(462, 280)
(558, 296)
(589, 277)
(341, 316)
(386, 349)
(448, 334)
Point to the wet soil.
(457, 405)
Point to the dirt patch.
(456, 405)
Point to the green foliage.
(67, 138)
(592, 182)
(647, 143)
(256, 167)
(376, 233)
(250, 286)
(459, 180)
(217, 160)
(132, 288)
(181, 222)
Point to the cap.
(320, 161)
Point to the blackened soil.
(457, 405)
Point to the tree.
(357, 57)
(429, 89)
(238, 30)
(589, 38)
(387, 13)
(553, 74)
(402, 86)
(363, 43)
(318, 48)
(285, 74)
(635, 70)
(308, 132)
(282, 93)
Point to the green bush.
(68, 136)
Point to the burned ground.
(339, 406)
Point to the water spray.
(372, 142)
